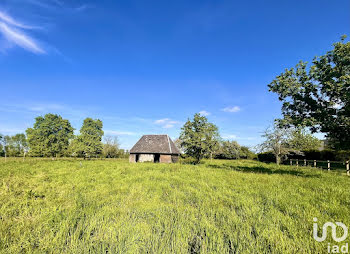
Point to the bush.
(323, 155)
(267, 157)
(343, 155)
(188, 160)
(247, 154)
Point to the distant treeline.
(53, 136)
(324, 155)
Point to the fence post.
(304, 162)
(329, 165)
(290, 161)
(315, 163)
(297, 162)
(347, 168)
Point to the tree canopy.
(318, 96)
(49, 136)
(276, 141)
(229, 150)
(199, 138)
(302, 140)
(88, 143)
(16, 145)
(111, 147)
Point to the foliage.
(232, 150)
(246, 153)
(178, 144)
(332, 155)
(199, 138)
(276, 141)
(16, 145)
(2, 152)
(229, 150)
(319, 97)
(302, 140)
(49, 136)
(88, 144)
(188, 160)
(110, 147)
(112, 206)
(267, 157)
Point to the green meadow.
(111, 206)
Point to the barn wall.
(146, 157)
(132, 158)
(165, 158)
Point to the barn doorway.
(137, 158)
(156, 157)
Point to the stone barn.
(154, 148)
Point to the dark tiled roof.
(155, 144)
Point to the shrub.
(188, 160)
(323, 155)
(266, 157)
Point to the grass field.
(111, 206)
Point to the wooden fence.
(329, 165)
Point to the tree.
(16, 145)
(318, 97)
(110, 147)
(88, 143)
(301, 140)
(2, 148)
(199, 138)
(178, 144)
(49, 136)
(276, 141)
(246, 153)
(5, 141)
(229, 150)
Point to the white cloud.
(204, 113)
(235, 137)
(120, 133)
(46, 107)
(9, 20)
(230, 136)
(12, 31)
(168, 126)
(166, 123)
(11, 131)
(231, 109)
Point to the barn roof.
(155, 144)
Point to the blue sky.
(144, 67)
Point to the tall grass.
(111, 206)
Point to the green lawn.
(111, 206)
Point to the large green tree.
(49, 136)
(88, 144)
(199, 138)
(319, 96)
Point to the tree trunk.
(278, 159)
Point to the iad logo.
(333, 226)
